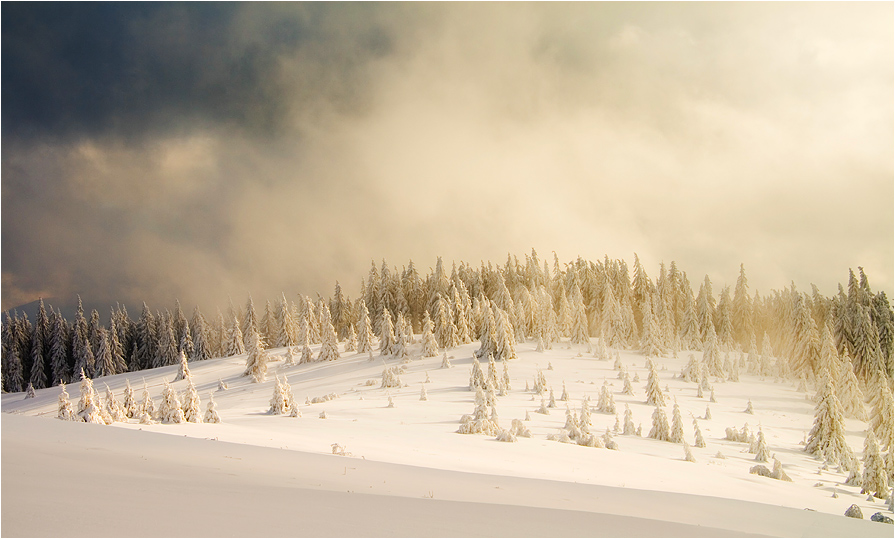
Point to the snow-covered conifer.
(660, 430)
(708, 413)
(654, 395)
(762, 453)
(278, 404)
(211, 414)
(627, 388)
(700, 441)
(256, 357)
(677, 425)
(235, 345)
(183, 373)
(131, 408)
(88, 407)
(65, 411)
(628, 426)
(445, 362)
(365, 331)
(351, 341)
(688, 455)
(749, 407)
(881, 418)
(423, 395)
(827, 436)
(875, 480)
(114, 408)
(29, 392)
(476, 376)
(849, 392)
(170, 410)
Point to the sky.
(153, 151)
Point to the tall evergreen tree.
(59, 350)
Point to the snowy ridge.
(424, 433)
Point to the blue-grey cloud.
(162, 150)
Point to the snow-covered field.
(409, 473)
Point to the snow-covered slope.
(414, 448)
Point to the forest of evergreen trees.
(499, 305)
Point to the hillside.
(415, 448)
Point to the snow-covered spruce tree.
(849, 392)
(235, 345)
(700, 441)
(764, 362)
(114, 409)
(256, 358)
(711, 353)
(88, 407)
(290, 400)
(200, 337)
(605, 403)
(445, 362)
(13, 377)
(131, 408)
(579, 329)
(391, 378)
(479, 422)
(399, 348)
(875, 480)
(688, 455)
(505, 341)
(191, 404)
(627, 388)
(167, 345)
(651, 340)
(488, 334)
(881, 418)
(762, 453)
(387, 333)
(660, 430)
(59, 350)
(183, 373)
(170, 411)
(278, 404)
(827, 437)
(351, 341)
(29, 393)
(654, 395)
(365, 331)
(329, 348)
(147, 406)
(211, 413)
(249, 324)
(476, 376)
(81, 350)
(628, 427)
(677, 425)
(64, 410)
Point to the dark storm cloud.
(159, 150)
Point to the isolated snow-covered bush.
(390, 378)
(518, 428)
(506, 436)
(445, 362)
(211, 413)
(688, 455)
(64, 410)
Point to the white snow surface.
(409, 472)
